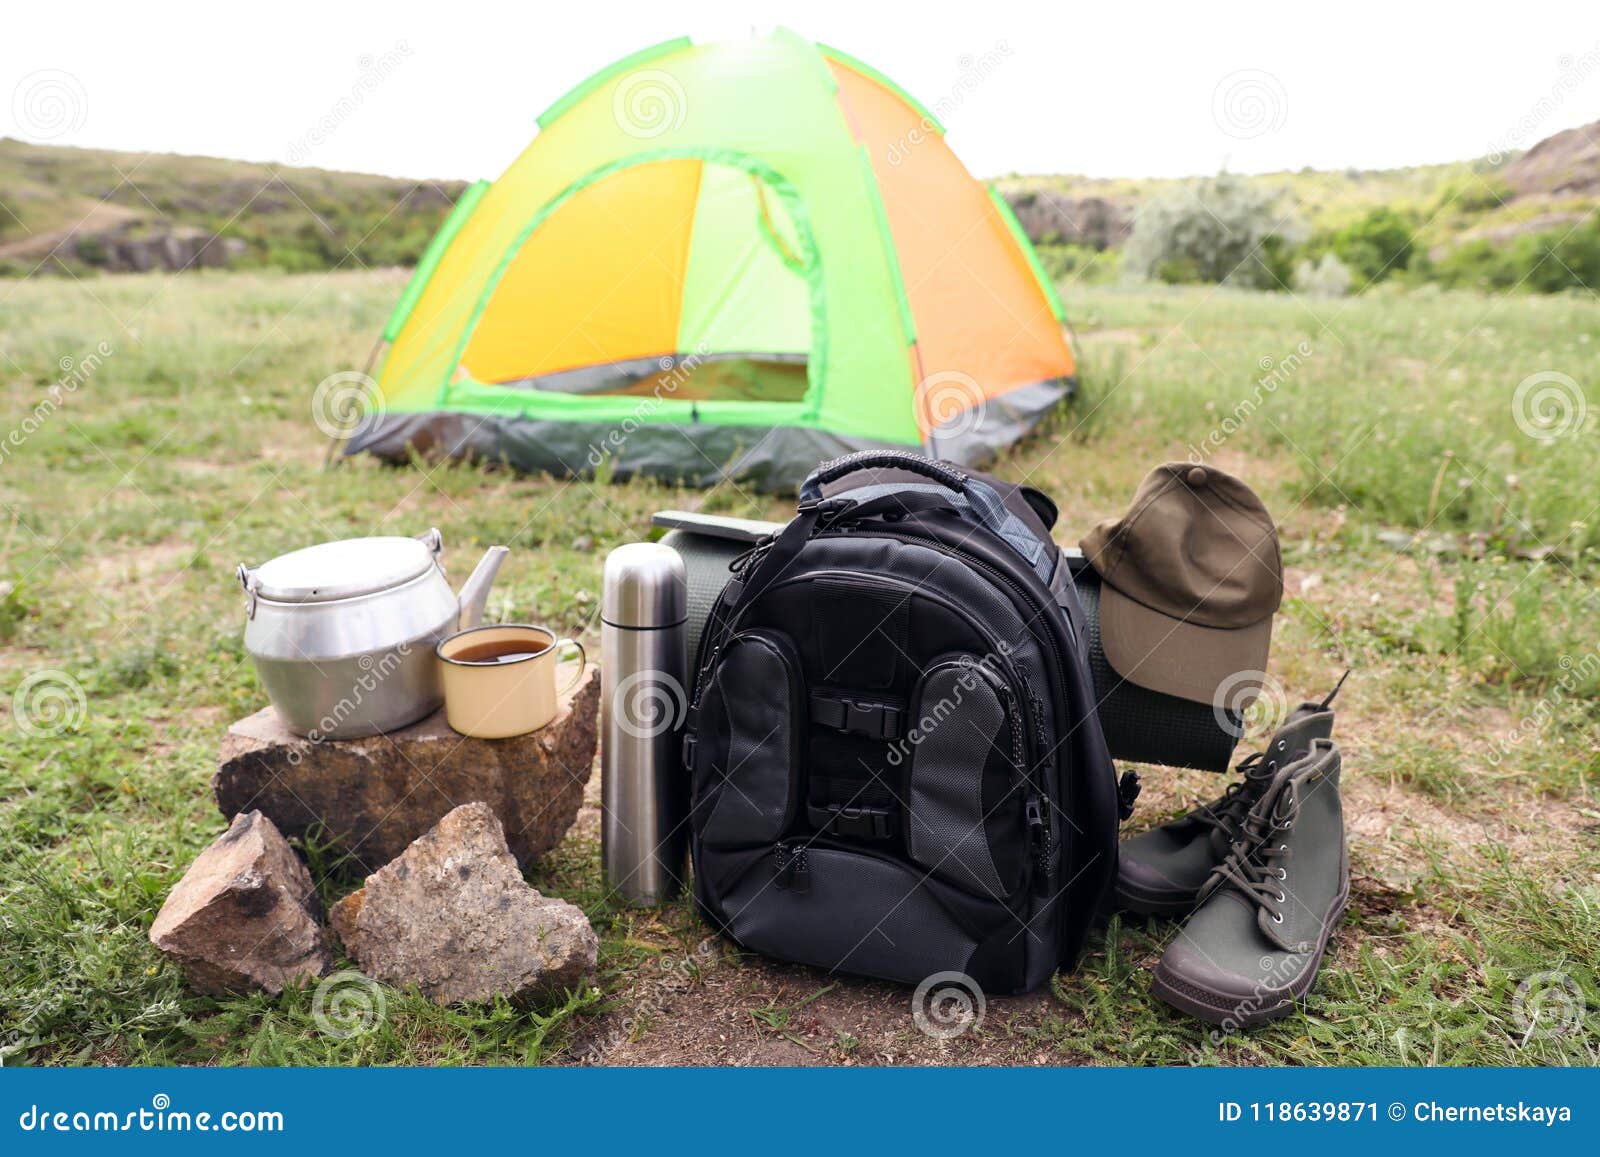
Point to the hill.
(1518, 221)
(1098, 211)
(66, 208)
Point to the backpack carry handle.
(986, 507)
(836, 468)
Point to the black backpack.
(896, 768)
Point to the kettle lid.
(345, 569)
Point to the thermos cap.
(644, 585)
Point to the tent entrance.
(686, 279)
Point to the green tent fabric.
(722, 261)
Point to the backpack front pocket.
(965, 788)
(747, 773)
(849, 912)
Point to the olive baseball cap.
(1191, 579)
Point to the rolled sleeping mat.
(705, 564)
(1144, 726)
(1140, 725)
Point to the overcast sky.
(451, 89)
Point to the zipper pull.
(747, 558)
(794, 873)
(1039, 837)
(701, 678)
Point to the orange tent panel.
(976, 305)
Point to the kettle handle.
(247, 580)
(432, 539)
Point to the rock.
(141, 246)
(1565, 164)
(245, 915)
(453, 916)
(369, 798)
(1050, 218)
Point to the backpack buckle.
(859, 823)
(870, 717)
(1128, 788)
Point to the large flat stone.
(245, 916)
(453, 916)
(370, 798)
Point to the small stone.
(365, 800)
(245, 915)
(453, 916)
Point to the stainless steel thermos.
(644, 692)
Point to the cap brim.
(1161, 653)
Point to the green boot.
(1160, 872)
(1253, 946)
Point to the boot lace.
(1226, 813)
(1255, 863)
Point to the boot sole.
(1225, 1010)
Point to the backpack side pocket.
(965, 791)
(747, 780)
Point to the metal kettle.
(342, 633)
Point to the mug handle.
(583, 662)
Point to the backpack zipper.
(1040, 840)
(794, 871)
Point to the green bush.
(1221, 229)
(1326, 277)
(1470, 195)
(1379, 244)
(1545, 262)
(1079, 263)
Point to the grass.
(1469, 726)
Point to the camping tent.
(730, 259)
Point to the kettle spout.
(474, 593)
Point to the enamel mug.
(500, 680)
